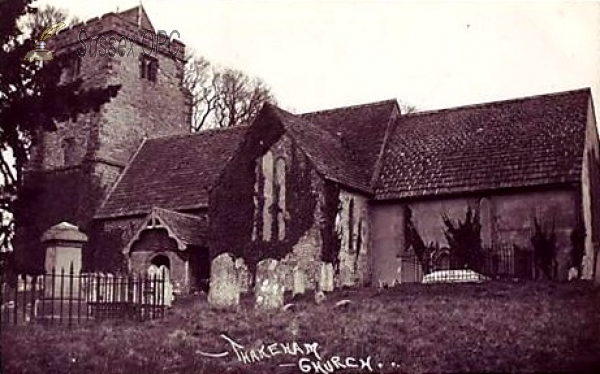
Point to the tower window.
(148, 68)
(69, 148)
(72, 66)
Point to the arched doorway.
(160, 268)
(161, 260)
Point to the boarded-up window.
(69, 151)
(281, 191)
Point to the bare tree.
(239, 98)
(47, 16)
(222, 97)
(200, 81)
(406, 108)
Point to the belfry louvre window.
(72, 66)
(148, 68)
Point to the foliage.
(406, 108)
(222, 97)
(544, 248)
(332, 240)
(424, 328)
(33, 100)
(45, 16)
(232, 208)
(414, 241)
(464, 239)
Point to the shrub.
(414, 240)
(544, 248)
(464, 240)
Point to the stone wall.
(72, 169)
(108, 238)
(270, 204)
(107, 241)
(590, 192)
(353, 227)
(387, 242)
(506, 219)
(142, 108)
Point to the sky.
(323, 54)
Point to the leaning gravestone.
(224, 288)
(269, 287)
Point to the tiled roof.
(361, 127)
(172, 172)
(188, 229)
(185, 229)
(514, 143)
(325, 149)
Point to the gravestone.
(243, 276)
(326, 278)
(269, 287)
(299, 282)
(224, 288)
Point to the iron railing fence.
(495, 262)
(69, 298)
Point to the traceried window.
(148, 68)
(72, 67)
(269, 199)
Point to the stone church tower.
(72, 169)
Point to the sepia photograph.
(302, 186)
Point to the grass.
(494, 327)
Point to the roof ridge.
(345, 148)
(354, 106)
(176, 212)
(496, 102)
(197, 133)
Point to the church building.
(343, 186)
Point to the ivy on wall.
(414, 241)
(301, 202)
(103, 251)
(48, 199)
(544, 244)
(332, 241)
(464, 239)
(232, 209)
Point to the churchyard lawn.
(497, 327)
